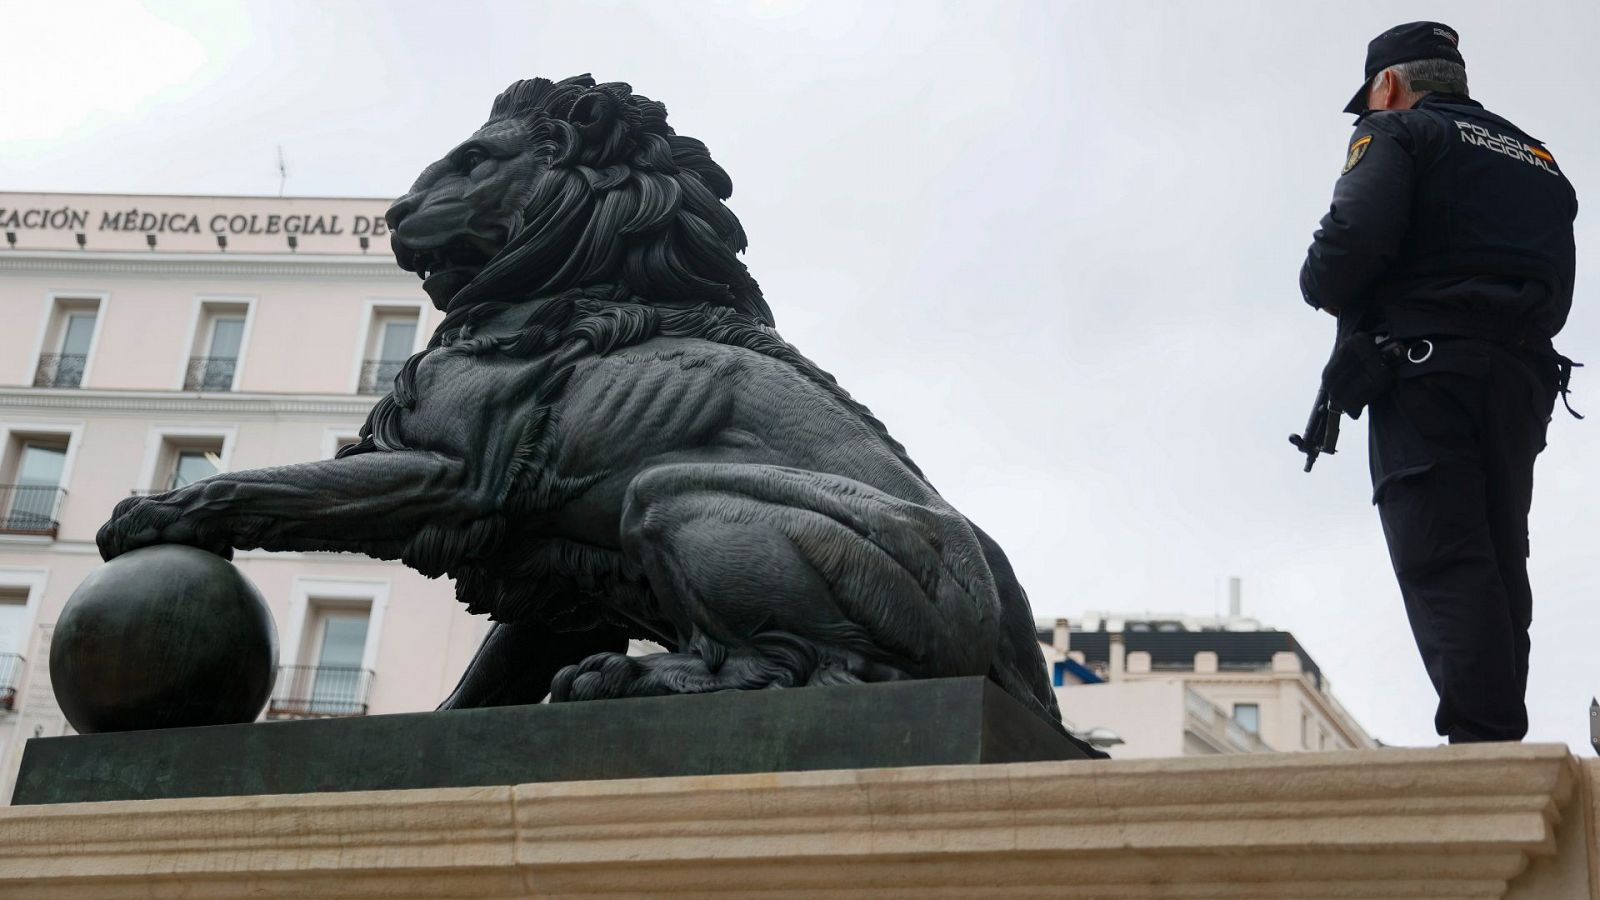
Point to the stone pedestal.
(1512, 821)
(908, 723)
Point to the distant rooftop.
(1153, 621)
(1172, 640)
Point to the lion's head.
(573, 184)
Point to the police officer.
(1449, 242)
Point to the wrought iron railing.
(377, 375)
(59, 370)
(315, 691)
(30, 509)
(210, 373)
(10, 676)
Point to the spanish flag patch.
(1357, 150)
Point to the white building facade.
(1174, 685)
(149, 341)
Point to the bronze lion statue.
(606, 438)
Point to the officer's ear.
(1389, 91)
(1380, 95)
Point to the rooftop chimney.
(1235, 605)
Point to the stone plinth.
(907, 723)
(1513, 821)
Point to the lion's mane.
(618, 198)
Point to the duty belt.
(1419, 349)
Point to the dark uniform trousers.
(1452, 448)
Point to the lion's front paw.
(136, 522)
(142, 521)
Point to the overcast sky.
(1053, 245)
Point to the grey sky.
(1053, 245)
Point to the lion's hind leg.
(516, 663)
(780, 577)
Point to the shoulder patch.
(1357, 150)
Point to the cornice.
(379, 266)
(145, 402)
(1445, 822)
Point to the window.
(13, 619)
(398, 336)
(226, 334)
(42, 463)
(69, 337)
(331, 644)
(338, 678)
(180, 457)
(391, 339)
(344, 639)
(217, 354)
(193, 465)
(13, 611)
(220, 364)
(32, 497)
(1248, 715)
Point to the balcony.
(377, 375)
(59, 370)
(11, 665)
(307, 692)
(1209, 724)
(30, 509)
(210, 373)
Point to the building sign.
(112, 222)
(149, 222)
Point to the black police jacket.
(1447, 220)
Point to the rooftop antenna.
(283, 171)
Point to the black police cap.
(1406, 43)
